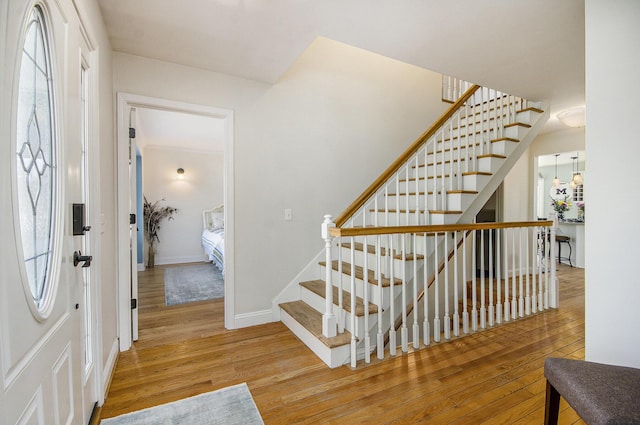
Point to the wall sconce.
(180, 172)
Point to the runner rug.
(227, 406)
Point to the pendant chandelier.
(577, 177)
(556, 180)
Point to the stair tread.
(532, 109)
(508, 139)
(318, 287)
(492, 155)
(311, 320)
(517, 124)
(346, 270)
(445, 212)
(477, 173)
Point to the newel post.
(329, 322)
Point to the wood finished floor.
(490, 377)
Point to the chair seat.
(601, 394)
(561, 238)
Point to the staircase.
(395, 255)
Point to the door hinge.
(132, 219)
(132, 133)
(134, 303)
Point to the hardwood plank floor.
(490, 377)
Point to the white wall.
(311, 142)
(612, 91)
(201, 188)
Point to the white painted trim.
(141, 267)
(108, 371)
(125, 101)
(178, 260)
(245, 320)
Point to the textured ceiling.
(534, 49)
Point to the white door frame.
(124, 102)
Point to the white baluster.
(456, 283)
(527, 300)
(553, 289)
(474, 294)
(404, 331)
(342, 313)
(380, 339)
(499, 261)
(447, 318)
(416, 326)
(483, 301)
(426, 332)
(465, 312)
(521, 280)
(352, 290)
(542, 244)
(491, 307)
(514, 293)
(507, 304)
(392, 312)
(329, 326)
(365, 301)
(436, 303)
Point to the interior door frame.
(125, 101)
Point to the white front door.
(48, 373)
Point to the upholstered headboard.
(213, 218)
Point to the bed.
(213, 235)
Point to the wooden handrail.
(395, 166)
(433, 228)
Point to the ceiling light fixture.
(573, 168)
(556, 180)
(574, 117)
(577, 177)
(180, 172)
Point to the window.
(36, 155)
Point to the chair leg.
(551, 405)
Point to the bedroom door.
(135, 224)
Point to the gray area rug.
(227, 406)
(187, 284)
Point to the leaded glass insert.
(36, 157)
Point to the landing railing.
(436, 282)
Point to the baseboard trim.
(110, 367)
(254, 318)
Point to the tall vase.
(560, 215)
(151, 260)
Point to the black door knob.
(79, 258)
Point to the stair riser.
(374, 294)
(384, 260)
(318, 303)
(476, 182)
(489, 164)
(503, 147)
(455, 201)
(331, 357)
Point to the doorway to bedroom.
(180, 182)
(181, 173)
